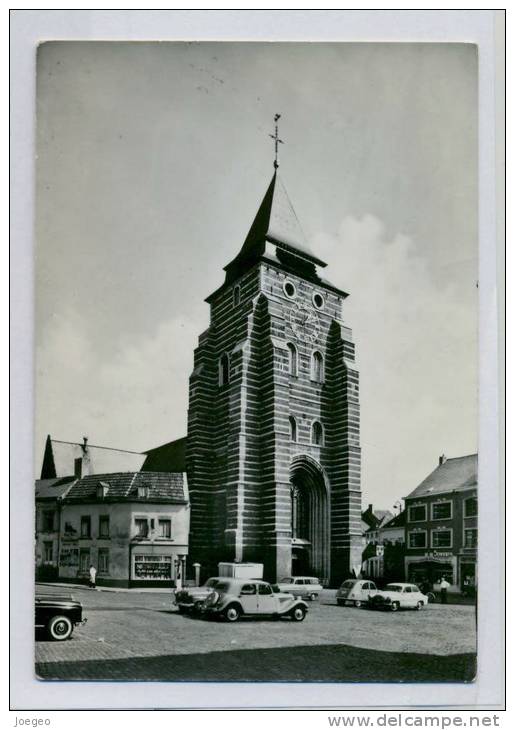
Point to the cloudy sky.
(152, 161)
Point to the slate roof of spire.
(453, 475)
(275, 221)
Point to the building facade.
(132, 526)
(273, 449)
(384, 555)
(441, 525)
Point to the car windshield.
(223, 586)
(348, 584)
(394, 587)
(211, 583)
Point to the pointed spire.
(276, 222)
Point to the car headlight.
(212, 598)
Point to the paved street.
(141, 636)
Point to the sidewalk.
(107, 589)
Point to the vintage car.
(58, 615)
(398, 595)
(190, 599)
(356, 592)
(302, 586)
(233, 598)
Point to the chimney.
(85, 444)
(442, 459)
(370, 508)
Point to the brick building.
(273, 449)
(441, 524)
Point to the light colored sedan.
(301, 585)
(236, 597)
(399, 595)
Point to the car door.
(373, 588)
(407, 597)
(365, 591)
(298, 587)
(267, 600)
(248, 598)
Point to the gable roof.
(168, 457)
(59, 459)
(123, 487)
(453, 475)
(53, 488)
(396, 521)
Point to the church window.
(292, 358)
(236, 294)
(317, 367)
(318, 300)
(290, 289)
(223, 370)
(317, 434)
(293, 428)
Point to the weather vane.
(277, 141)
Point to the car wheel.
(419, 605)
(395, 606)
(298, 613)
(313, 596)
(60, 628)
(340, 602)
(232, 613)
(357, 604)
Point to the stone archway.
(310, 517)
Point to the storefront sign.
(69, 557)
(436, 554)
(153, 567)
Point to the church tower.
(273, 451)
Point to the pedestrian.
(92, 576)
(444, 585)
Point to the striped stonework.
(245, 464)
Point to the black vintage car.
(58, 615)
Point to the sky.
(152, 159)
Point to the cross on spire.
(277, 141)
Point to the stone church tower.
(273, 451)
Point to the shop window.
(471, 507)
(470, 537)
(417, 513)
(48, 551)
(317, 434)
(441, 538)
(153, 567)
(417, 540)
(441, 510)
(223, 370)
(85, 526)
(103, 526)
(165, 528)
(292, 359)
(317, 367)
(141, 527)
(293, 428)
(103, 560)
(48, 521)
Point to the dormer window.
(143, 491)
(102, 490)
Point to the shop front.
(156, 565)
(431, 568)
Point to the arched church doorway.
(309, 518)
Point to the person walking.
(92, 576)
(444, 585)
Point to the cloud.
(135, 399)
(416, 344)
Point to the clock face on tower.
(304, 322)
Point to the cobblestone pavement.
(142, 636)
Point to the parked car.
(189, 599)
(399, 595)
(58, 615)
(356, 592)
(233, 598)
(302, 586)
